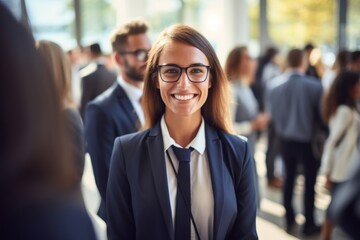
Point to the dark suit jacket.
(95, 79)
(138, 205)
(110, 115)
(55, 219)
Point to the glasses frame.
(186, 72)
(137, 53)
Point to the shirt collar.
(198, 143)
(132, 92)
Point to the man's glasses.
(196, 73)
(140, 54)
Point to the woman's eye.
(196, 70)
(171, 71)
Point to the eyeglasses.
(140, 54)
(196, 73)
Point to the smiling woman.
(186, 176)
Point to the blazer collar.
(216, 162)
(157, 160)
(125, 102)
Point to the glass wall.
(353, 23)
(290, 23)
(55, 20)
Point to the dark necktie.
(183, 195)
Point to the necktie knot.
(182, 154)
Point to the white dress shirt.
(134, 95)
(202, 198)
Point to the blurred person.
(37, 172)
(310, 69)
(346, 203)
(59, 68)
(295, 109)
(341, 64)
(354, 61)
(247, 120)
(186, 176)
(76, 62)
(117, 111)
(95, 77)
(267, 69)
(340, 153)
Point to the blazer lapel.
(215, 158)
(129, 108)
(156, 152)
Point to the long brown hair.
(340, 93)
(233, 62)
(216, 108)
(33, 153)
(59, 66)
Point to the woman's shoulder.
(133, 139)
(235, 141)
(344, 110)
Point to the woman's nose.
(183, 81)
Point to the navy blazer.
(110, 115)
(138, 205)
(95, 79)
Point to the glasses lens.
(197, 73)
(141, 55)
(170, 73)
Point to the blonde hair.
(216, 108)
(59, 67)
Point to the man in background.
(95, 77)
(118, 111)
(294, 107)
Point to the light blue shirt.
(295, 106)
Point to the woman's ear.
(210, 82)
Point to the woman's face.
(183, 98)
(247, 65)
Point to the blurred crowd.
(59, 105)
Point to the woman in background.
(59, 67)
(37, 174)
(247, 120)
(340, 151)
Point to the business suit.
(295, 105)
(110, 115)
(138, 205)
(95, 79)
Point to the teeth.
(183, 97)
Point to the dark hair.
(33, 152)
(295, 58)
(269, 55)
(216, 107)
(340, 93)
(120, 35)
(354, 56)
(233, 62)
(308, 47)
(342, 61)
(95, 49)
